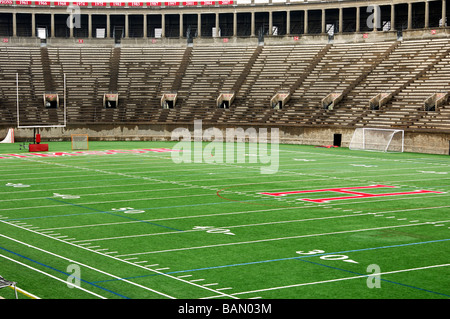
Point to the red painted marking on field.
(78, 153)
(348, 190)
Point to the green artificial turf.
(142, 226)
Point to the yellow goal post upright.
(80, 142)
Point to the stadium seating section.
(403, 73)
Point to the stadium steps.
(144, 74)
(407, 60)
(339, 70)
(212, 70)
(46, 70)
(341, 115)
(241, 86)
(182, 68)
(114, 64)
(278, 69)
(400, 113)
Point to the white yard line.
(51, 276)
(277, 239)
(338, 279)
(117, 259)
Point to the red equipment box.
(38, 148)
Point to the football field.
(129, 220)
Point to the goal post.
(80, 142)
(377, 139)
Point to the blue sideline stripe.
(365, 275)
(64, 273)
(149, 208)
(289, 258)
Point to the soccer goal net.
(80, 141)
(376, 139)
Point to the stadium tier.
(339, 64)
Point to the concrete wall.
(415, 141)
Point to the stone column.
(358, 19)
(108, 26)
(393, 17)
(234, 24)
(33, 24)
(252, 27)
(14, 22)
(52, 24)
(217, 24)
(444, 13)
(144, 26)
(323, 21)
(288, 22)
(89, 26)
(306, 22)
(409, 15)
(270, 23)
(163, 25)
(127, 33)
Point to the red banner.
(117, 4)
(62, 3)
(99, 4)
(23, 2)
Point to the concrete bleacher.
(410, 71)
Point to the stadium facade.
(334, 60)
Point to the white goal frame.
(74, 147)
(359, 140)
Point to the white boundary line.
(84, 265)
(338, 279)
(51, 276)
(279, 238)
(123, 261)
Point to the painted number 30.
(327, 257)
